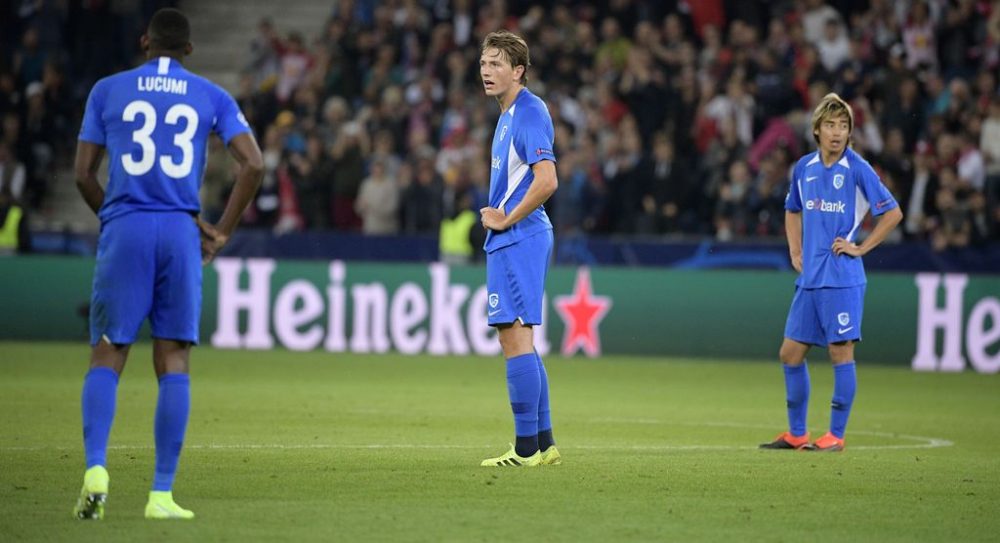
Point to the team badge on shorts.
(494, 300)
(843, 318)
(838, 181)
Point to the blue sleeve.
(534, 138)
(879, 197)
(793, 201)
(92, 128)
(229, 121)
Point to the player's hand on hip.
(843, 247)
(493, 218)
(211, 240)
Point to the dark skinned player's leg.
(170, 361)
(97, 402)
(100, 390)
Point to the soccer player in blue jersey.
(831, 191)
(154, 122)
(519, 241)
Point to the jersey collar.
(162, 64)
(843, 161)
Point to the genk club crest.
(843, 318)
(838, 181)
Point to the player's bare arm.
(889, 220)
(793, 231)
(247, 153)
(541, 189)
(88, 160)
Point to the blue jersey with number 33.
(155, 121)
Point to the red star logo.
(582, 312)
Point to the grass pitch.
(313, 446)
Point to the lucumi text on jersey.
(162, 84)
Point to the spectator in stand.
(952, 227)
(422, 199)
(669, 183)
(731, 212)
(294, 64)
(970, 167)
(29, 59)
(14, 234)
(349, 154)
(723, 151)
(834, 48)
(378, 202)
(918, 38)
(815, 18)
(766, 202)
(39, 133)
(312, 174)
(905, 113)
(13, 177)
(989, 137)
(922, 200)
(264, 63)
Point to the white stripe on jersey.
(164, 66)
(516, 168)
(861, 206)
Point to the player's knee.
(841, 352)
(790, 356)
(108, 355)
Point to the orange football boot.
(787, 441)
(827, 443)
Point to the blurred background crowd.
(672, 118)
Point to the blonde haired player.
(832, 191)
(519, 241)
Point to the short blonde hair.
(832, 105)
(512, 48)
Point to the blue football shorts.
(148, 265)
(515, 280)
(821, 316)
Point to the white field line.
(918, 442)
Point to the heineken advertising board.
(930, 321)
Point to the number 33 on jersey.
(155, 121)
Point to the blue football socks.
(545, 439)
(100, 389)
(797, 397)
(845, 383)
(524, 390)
(172, 410)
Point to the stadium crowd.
(671, 117)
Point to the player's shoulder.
(533, 99)
(116, 79)
(807, 159)
(531, 108)
(856, 162)
(200, 84)
(204, 82)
